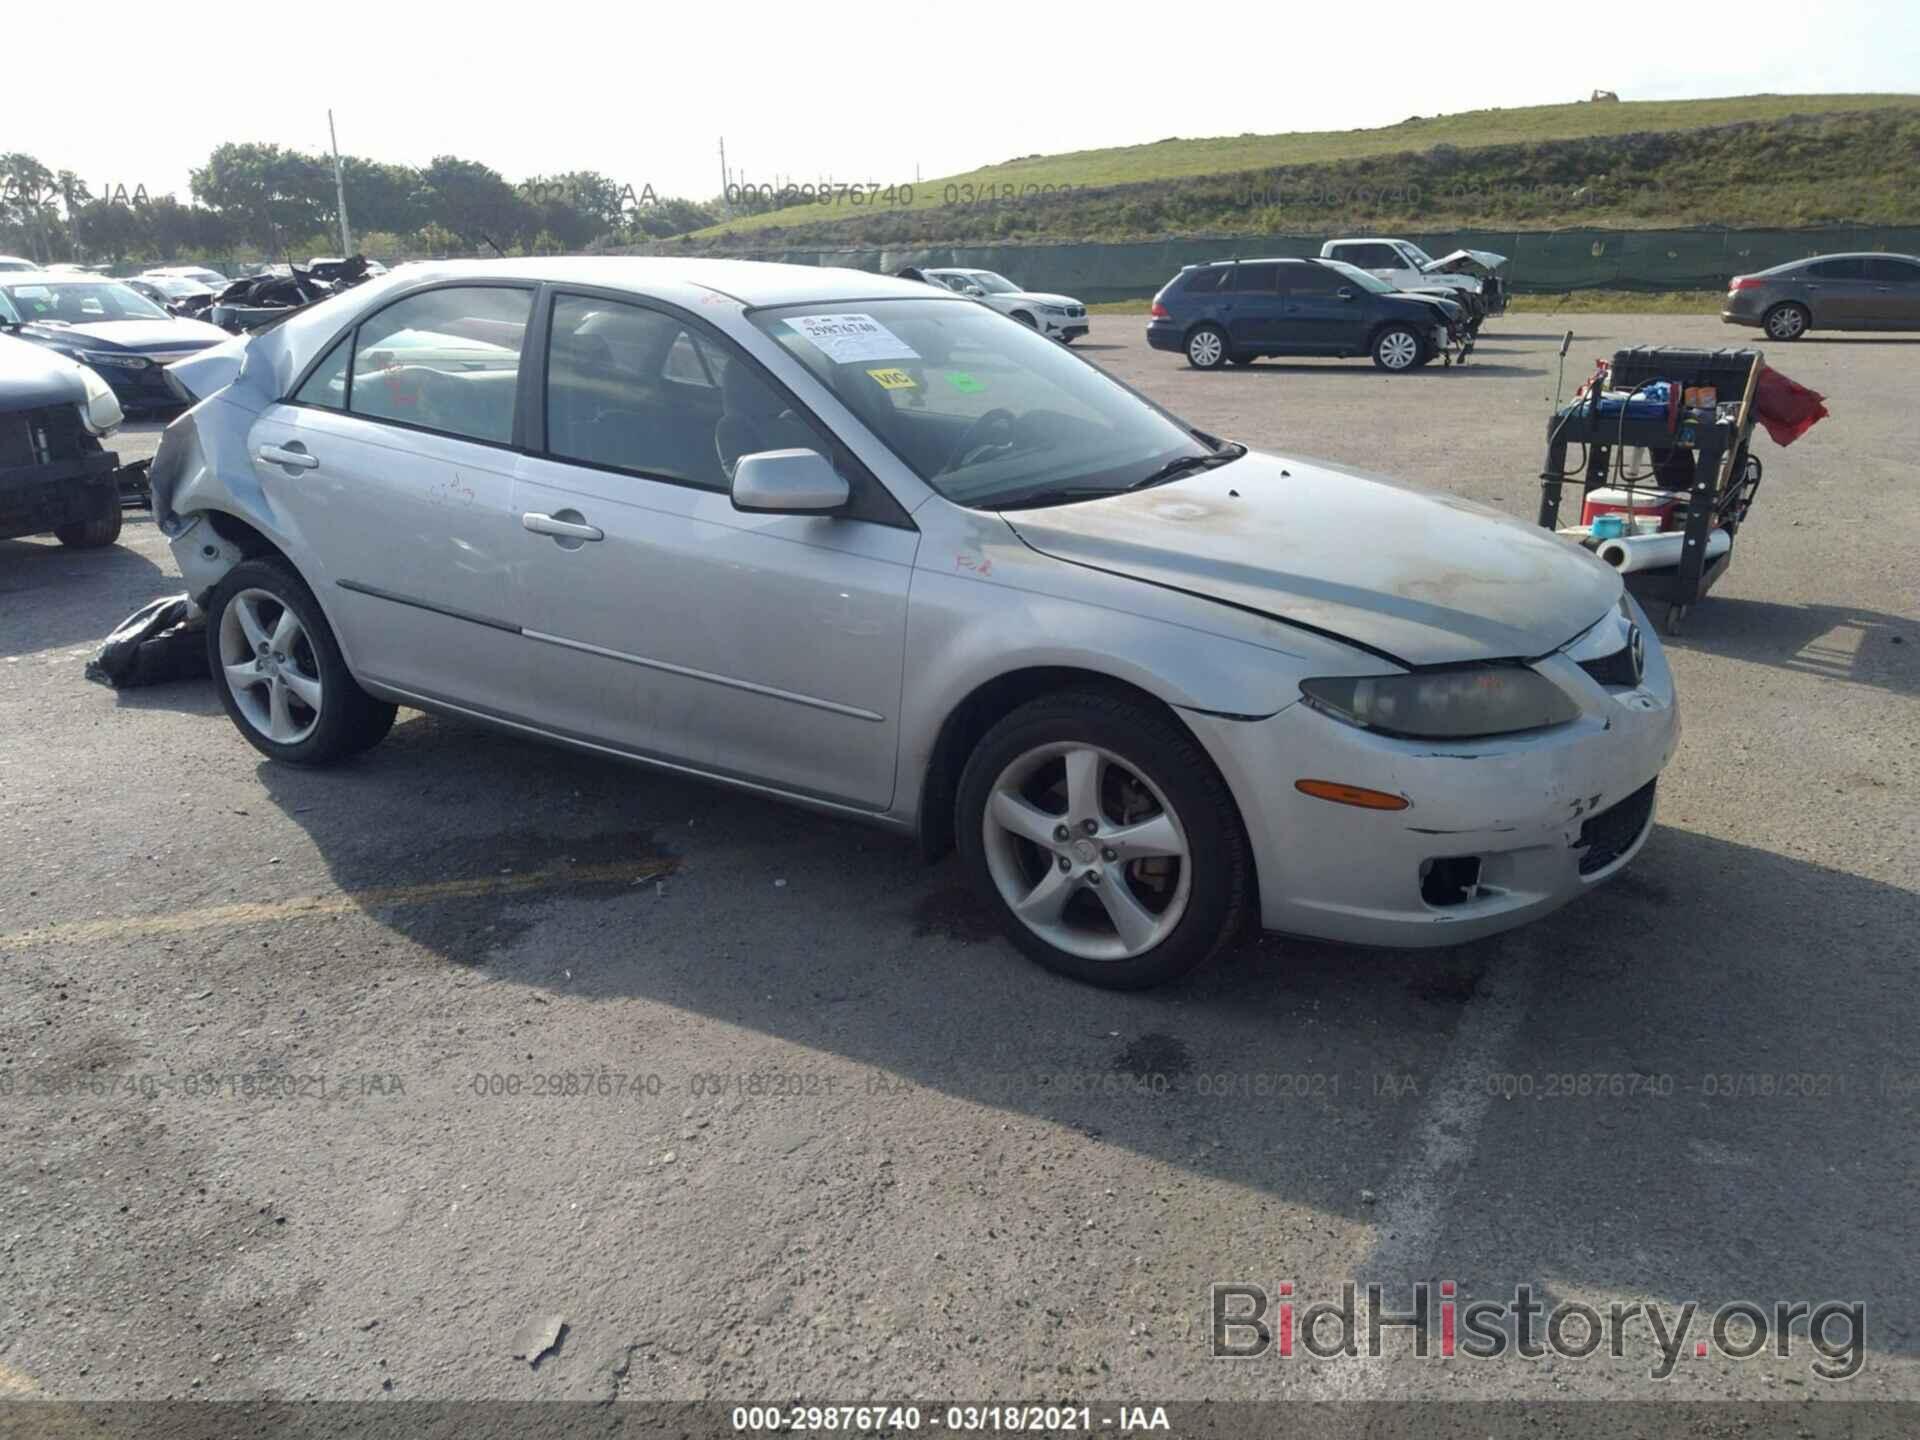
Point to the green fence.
(1538, 261)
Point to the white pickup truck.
(1405, 266)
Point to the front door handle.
(567, 525)
(294, 456)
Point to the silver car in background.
(1827, 292)
(869, 547)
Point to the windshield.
(1362, 278)
(174, 285)
(79, 302)
(989, 413)
(993, 284)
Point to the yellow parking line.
(308, 907)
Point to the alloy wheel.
(1786, 323)
(269, 665)
(1086, 851)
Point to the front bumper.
(39, 499)
(1520, 805)
(141, 390)
(1062, 327)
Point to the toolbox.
(1700, 477)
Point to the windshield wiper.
(1188, 464)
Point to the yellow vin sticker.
(894, 380)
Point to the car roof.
(752, 282)
(1854, 255)
(1262, 260)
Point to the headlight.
(1445, 704)
(1054, 309)
(102, 410)
(112, 357)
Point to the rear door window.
(1888, 271)
(1260, 278)
(447, 360)
(1848, 267)
(1204, 281)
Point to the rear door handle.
(296, 456)
(561, 527)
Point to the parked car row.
(106, 325)
(1238, 311)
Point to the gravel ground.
(252, 1142)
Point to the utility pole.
(339, 191)
(726, 205)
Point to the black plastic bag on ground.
(157, 643)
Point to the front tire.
(1207, 347)
(1105, 840)
(1025, 319)
(280, 672)
(94, 534)
(1396, 348)
(1787, 322)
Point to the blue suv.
(1239, 310)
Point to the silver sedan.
(852, 543)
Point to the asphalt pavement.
(327, 1084)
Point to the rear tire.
(1207, 347)
(1160, 882)
(280, 672)
(1787, 321)
(95, 534)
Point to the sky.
(645, 94)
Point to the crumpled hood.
(1467, 262)
(143, 336)
(1424, 577)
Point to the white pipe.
(1656, 552)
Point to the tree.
(271, 192)
(474, 202)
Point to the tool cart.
(1669, 526)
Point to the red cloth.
(1787, 408)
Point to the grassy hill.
(1751, 160)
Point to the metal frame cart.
(1704, 455)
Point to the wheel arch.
(985, 706)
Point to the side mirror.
(1345, 292)
(788, 482)
(973, 290)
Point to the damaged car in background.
(863, 545)
(276, 292)
(1469, 276)
(56, 478)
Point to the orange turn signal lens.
(1351, 795)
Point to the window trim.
(871, 500)
(350, 332)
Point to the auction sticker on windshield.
(893, 380)
(849, 339)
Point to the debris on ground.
(165, 639)
(538, 1338)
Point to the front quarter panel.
(984, 605)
